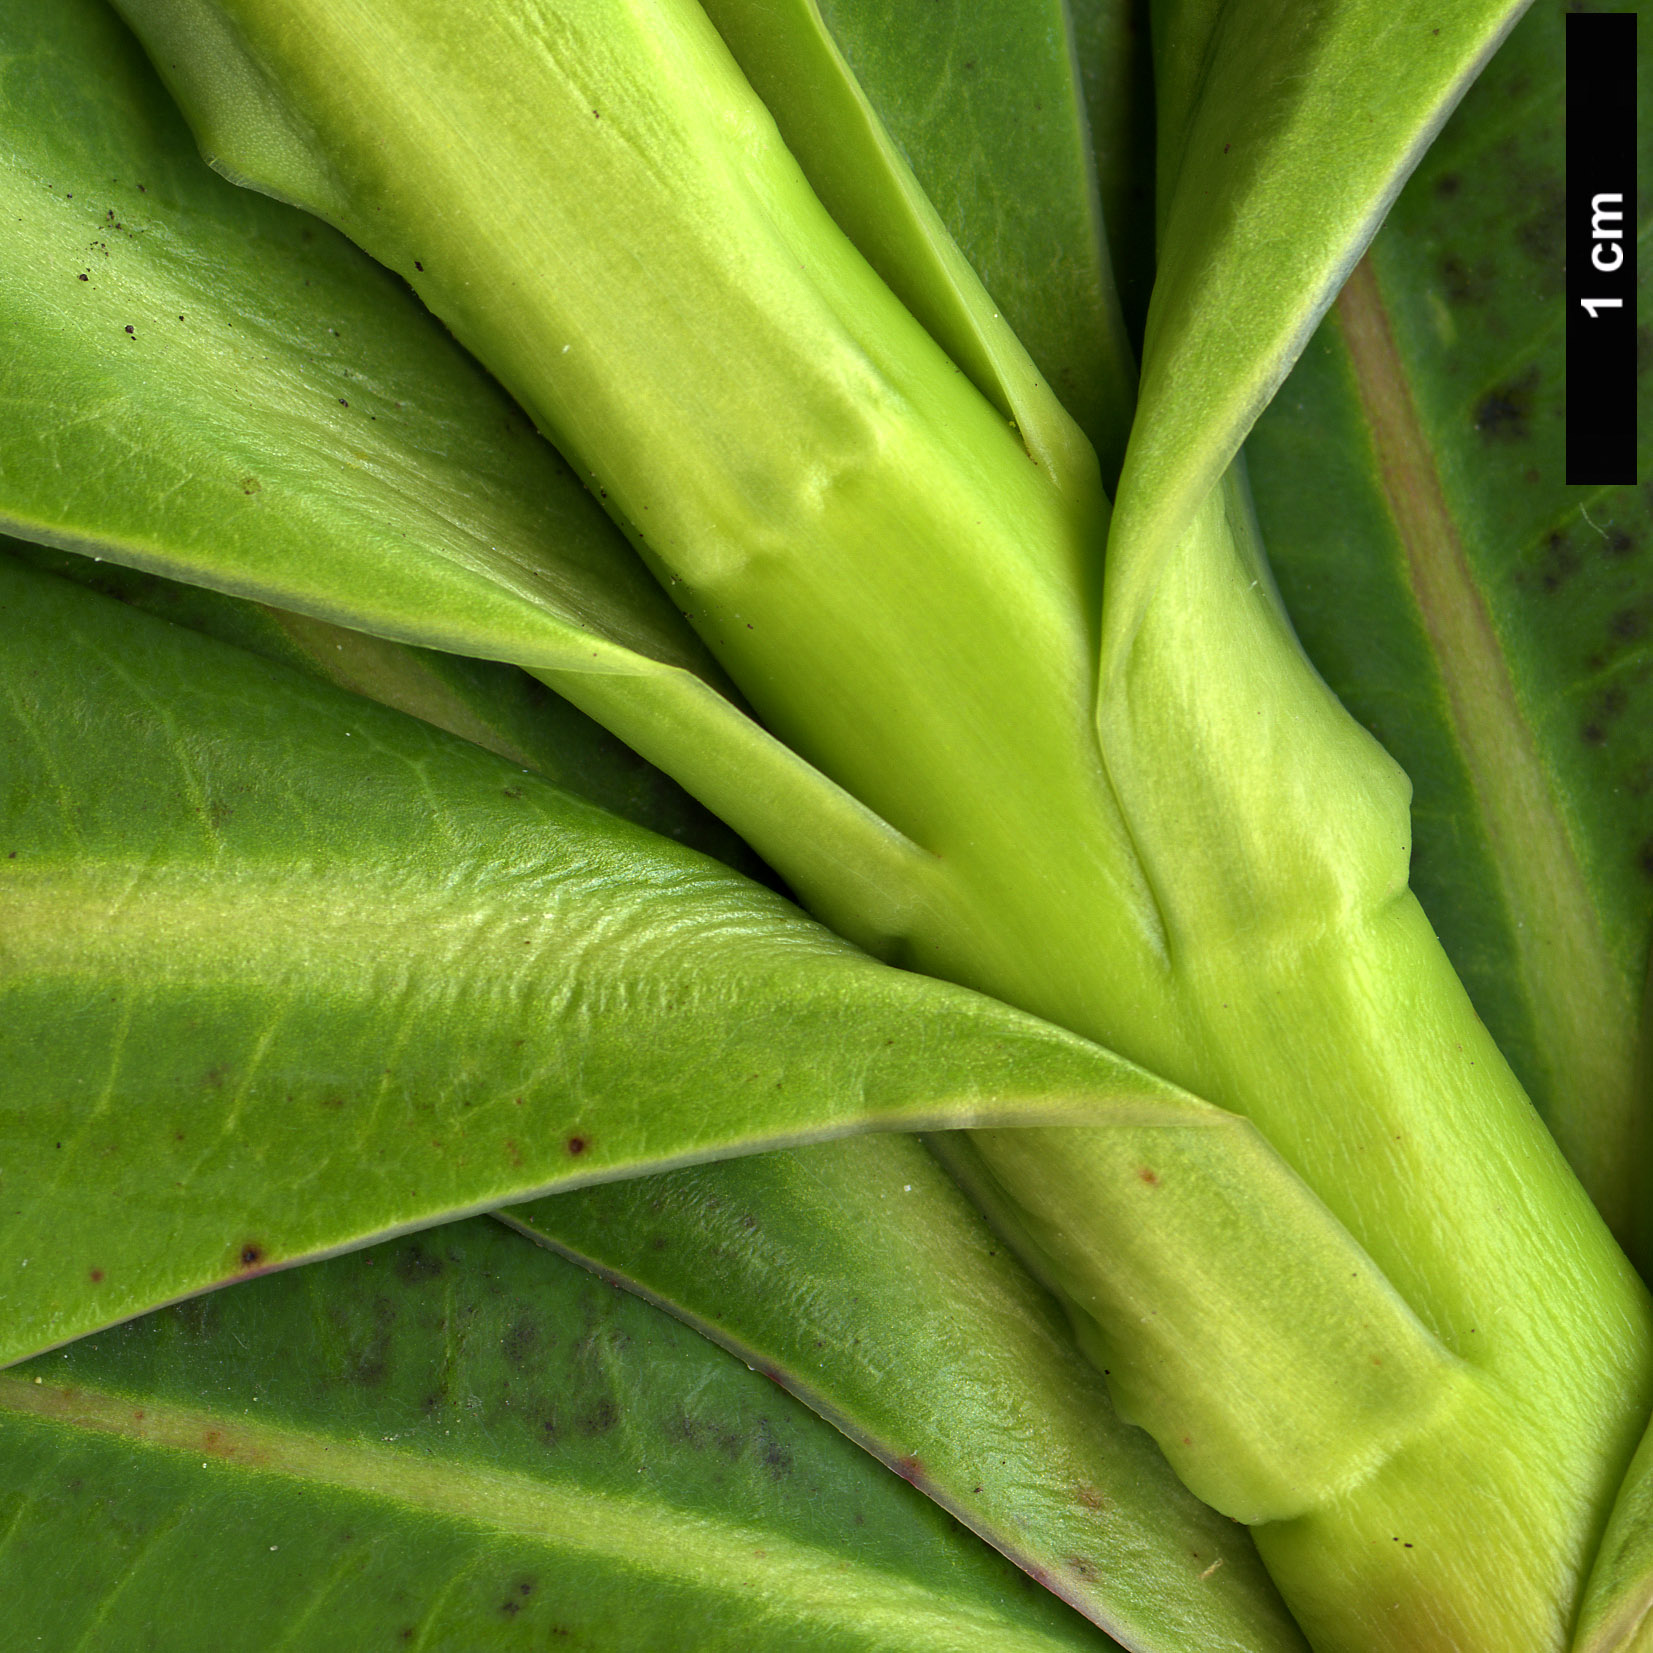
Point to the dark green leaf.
(858, 1276)
(461, 1441)
(1116, 72)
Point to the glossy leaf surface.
(858, 1276)
(285, 422)
(463, 1441)
(485, 702)
(1487, 622)
(1088, 1505)
(284, 970)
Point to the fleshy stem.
(1425, 1412)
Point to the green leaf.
(1116, 71)
(200, 374)
(858, 1276)
(1488, 623)
(985, 104)
(284, 970)
(1619, 1596)
(482, 701)
(1283, 139)
(859, 140)
(285, 422)
(1113, 1530)
(462, 1441)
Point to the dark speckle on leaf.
(1463, 284)
(600, 1419)
(1504, 414)
(518, 1343)
(1560, 561)
(577, 1145)
(252, 1254)
(776, 1459)
(415, 1265)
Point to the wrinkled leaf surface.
(284, 970)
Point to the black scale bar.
(1601, 247)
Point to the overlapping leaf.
(482, 701)
(1270, 185)
(1089, 1506)
(284, 971)
(858, 1276)
(463, 1441)
(213, 386)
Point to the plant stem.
(1209, 876)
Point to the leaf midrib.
(653, 1537)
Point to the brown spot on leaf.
(1148, 1176)
(577, 1145)
(252, 1254)
(97, 1276)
